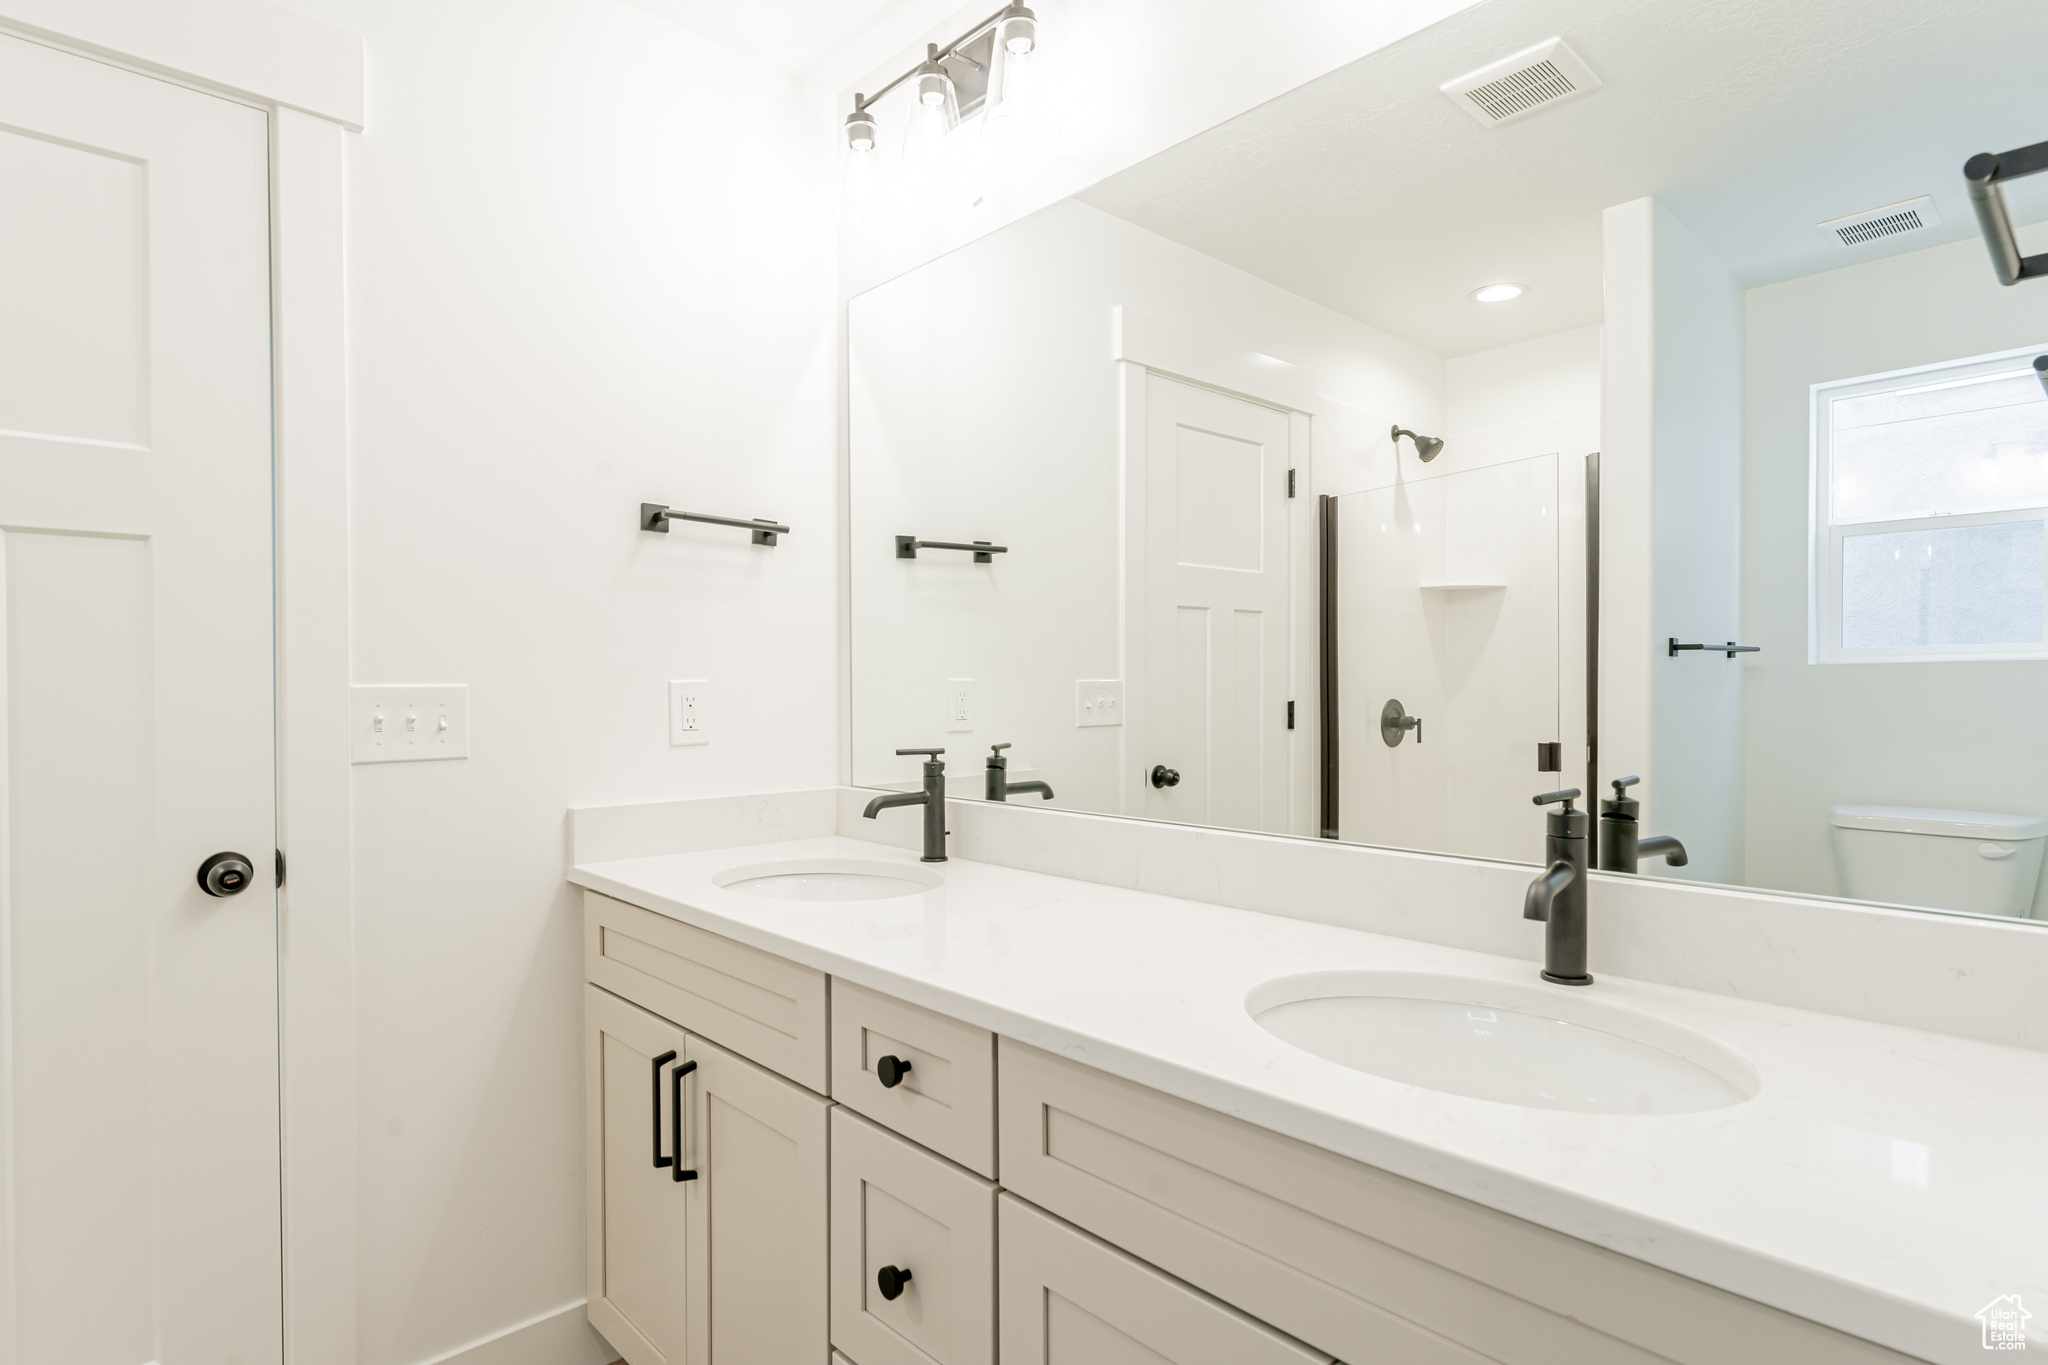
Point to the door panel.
(1068, 1299)
(138, 1016)
(1217, 594)
(757, 1214)
(637, 1212)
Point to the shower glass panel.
(1449, 601)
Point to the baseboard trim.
(561, 1336)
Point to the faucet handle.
(997, 748)
(1621, 783)
(903, 753)
(1568, 795)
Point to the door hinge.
(1290, 483)
(1290, 715)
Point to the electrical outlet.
(959, 705)
(1099, 701)
(687, 701)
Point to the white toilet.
(1946, 859)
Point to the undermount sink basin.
(1543, 1048)
(827, 879)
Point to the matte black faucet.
(1620, 847)
(1558, 897)
(997, 785)
(932, 798)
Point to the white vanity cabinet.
(728, 1266)
(1046, 1213)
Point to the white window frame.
(1824, 536)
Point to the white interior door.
(1216, 607)
(138, 1015)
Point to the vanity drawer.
(947, 1099)
(763, 1007)
(1068, 1299)
(1353, 1260)
(896, 1206)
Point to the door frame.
(308, 77)
(1144, 345)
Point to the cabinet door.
(1067, 1299)
(899, 1210)
(636, 1248)
(757, 1240)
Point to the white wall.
(1971, 736)
(1671, 535)
(589, 265)
(984, 405)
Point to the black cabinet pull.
(659, 1062)
(890, 1280)
(675, 1105)
(890, 1071)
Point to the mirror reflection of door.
(1216, 609)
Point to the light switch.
(400, 724)
(687, 700)
(1099, 701)
(959, 705)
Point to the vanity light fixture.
(1010, 32)
(1425, 446)
(1497, 293)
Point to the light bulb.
(932, 99)
(1017, 29)
(1497, 293)
(860, 126)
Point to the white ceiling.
(1753, 120)
(829, 43)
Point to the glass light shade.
(1497, 293)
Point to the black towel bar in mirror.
(655, 516)
(1985, 174)
(1731, 649)
(908, 546)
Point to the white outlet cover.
(688, 702)
(1098, 701)
(401, 724)
(959, 705)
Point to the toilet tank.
(1944, 859)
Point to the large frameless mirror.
(1572, 392)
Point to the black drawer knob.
(1163, 776)
(891, 1070)
(890, 1280)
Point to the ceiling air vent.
(1532, 79)
(1893, 220)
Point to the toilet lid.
(1958, 824)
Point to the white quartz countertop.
(1884, 1181)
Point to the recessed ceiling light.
(1497, 293)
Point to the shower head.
(1428, 446)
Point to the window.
(1930, 494)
